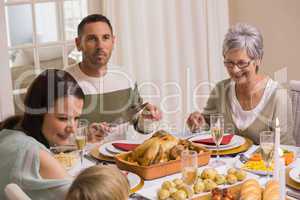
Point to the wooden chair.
(295, 97)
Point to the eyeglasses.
(240, 64)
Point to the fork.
(243, 158)
(136, 196)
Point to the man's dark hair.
(91, 19)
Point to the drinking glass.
(204, 128)
(229, 129)
(217, 132)
(189, 166)
(267, 140)
(81, 137)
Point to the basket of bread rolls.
(251, 190)
(159, 156)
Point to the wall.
(279, 22)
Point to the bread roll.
(271, 191)
(250, 190)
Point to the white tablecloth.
(150, 187)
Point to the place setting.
(293, 177)
(273, 161)
(260, 160)
(122, 138)
(221, 138)
(115, 144)
(69, 155)
(229, 141)
(293, 174)
(110, 149)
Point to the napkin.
(209, 141)
(125, 146)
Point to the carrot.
(256, 157)
(288, 157)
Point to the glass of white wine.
(267, 140)
(189, 166)
(81, 137)
(217, 132)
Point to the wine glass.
(189, 166)
(229, 129)
(267, 140)
(217, 132)
(81, 137)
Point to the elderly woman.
(249, 100)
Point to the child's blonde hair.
(99, 183)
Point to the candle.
(282, 179)
(276, 151)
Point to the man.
(110, 94)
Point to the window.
(40, 35)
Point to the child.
(99, 183)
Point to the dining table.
(150, 187)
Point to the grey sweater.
(278, 106)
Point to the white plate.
(102, 149)
(240, 165)
(186, 134)
(151, 192)
(134, 179)
(114, 150)
(236, 141)
(295, 174)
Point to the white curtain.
(174, 49)
(6, 97)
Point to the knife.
(63, 148)
(293, 194)
(97, 161)
(128, 115)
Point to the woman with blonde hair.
(99, 182)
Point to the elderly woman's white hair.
(244, 36)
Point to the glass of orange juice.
(189, 166)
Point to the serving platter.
(160, 169)
(234, 189)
